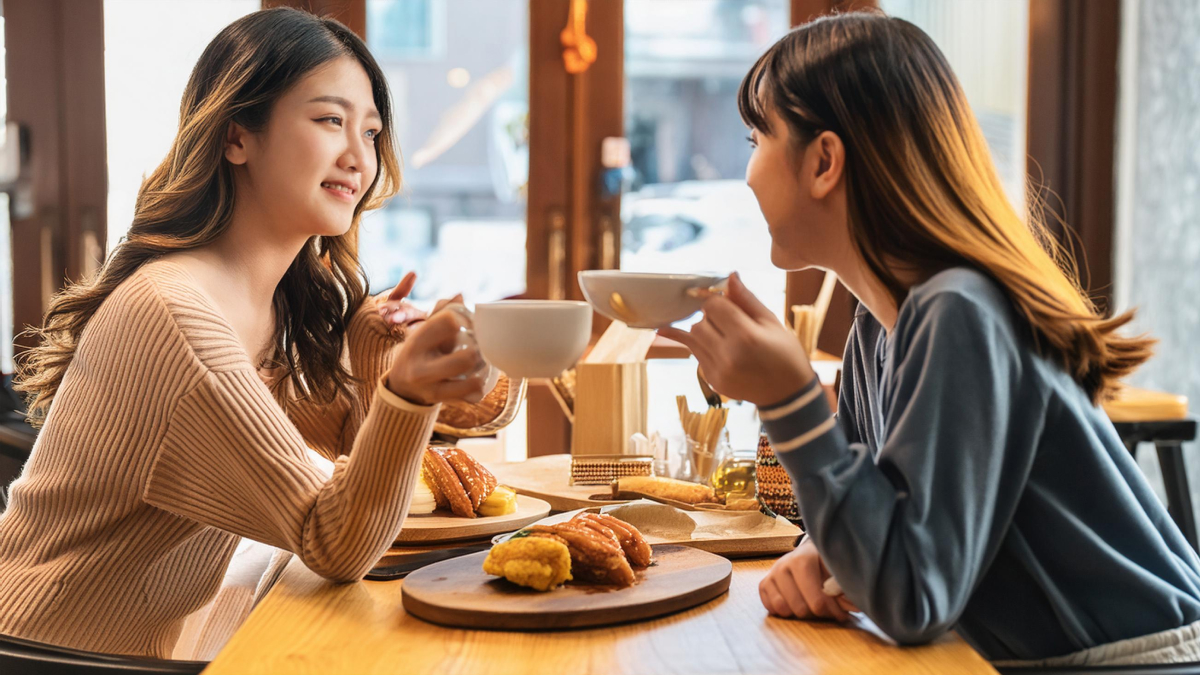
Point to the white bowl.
(650, 300)
(533, 338)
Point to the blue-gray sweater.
(969, 484)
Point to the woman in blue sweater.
(969, 480)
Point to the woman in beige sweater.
(229, 331)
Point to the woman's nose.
(349, 161)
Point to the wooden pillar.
(54, 60)
(569, 116)
(1071, 128)
(353, 13)
(568, 224)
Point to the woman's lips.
(340, 191)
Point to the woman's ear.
(235, 144)
(830, 160)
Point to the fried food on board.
(633, 544)
(601, 549)
(536, 562)
(462, 485)
(670, 488)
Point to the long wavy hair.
(921, 187)
(188, 200)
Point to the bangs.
(751, 106)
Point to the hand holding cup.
(440, 360)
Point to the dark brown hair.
(921, 187)
(188, 200)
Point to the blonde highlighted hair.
(188, 200)
(922, 190)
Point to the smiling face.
(311, 165)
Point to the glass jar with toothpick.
(703, 432)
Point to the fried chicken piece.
(469, 474)
(594, 556)
(635, 546)
(489, 478)
(446, 482)
(439, 497)
(541, 563)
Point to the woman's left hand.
(395, 310)
(745, 352)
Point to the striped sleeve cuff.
(382, 393)
(799, 419)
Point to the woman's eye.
(372, 134)
(336, 121)
(750, 140)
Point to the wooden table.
(308, 625)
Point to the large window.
(459, 85)
(150, 47)
(1157, 241)
(986, 44)
(690, 209)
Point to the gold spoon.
(711, 397)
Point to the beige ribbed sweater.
(164, 445)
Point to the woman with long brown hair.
(179, 390)
(969, 480)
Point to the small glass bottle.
(735, 474)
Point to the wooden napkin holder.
(610, 406)
(611, 392)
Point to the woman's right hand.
(795, 587)
(427, 366)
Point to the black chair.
(1168, 437)
(26, 657)
(1170, 669)
(16, 438)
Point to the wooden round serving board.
(457, 593)
(441, 527)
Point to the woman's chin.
(785, 260)
(333, 229)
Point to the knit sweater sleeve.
(231, 458)
(370, 348)
(909, 533)
(330, 428)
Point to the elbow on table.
(912, 631)
(344, 571)
(341, 553)
(341, 563)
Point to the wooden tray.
(440, 527)
(457, 593)
(548, 478)
(730, 534)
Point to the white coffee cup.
(533, 338)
